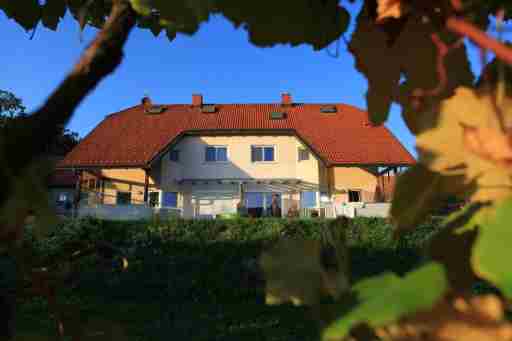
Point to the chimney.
(286, 98)
(146, 103)
(197, 100)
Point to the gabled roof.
(132, 138)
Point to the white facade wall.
(192, 165)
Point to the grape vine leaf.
(389, 9)
(411, 59)
(455, 145)
(492, 247)
(294, 272)
(420, 190)
(52, 12)
(30, 196)
(387, 298)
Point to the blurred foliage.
(317, 23)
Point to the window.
(277, 115)
(308, 199)
(262, 153)
(169, 199)
(124, 198)
(328, 109)
(303, 154)
(324, 197)
(354, 196)
(174, 155)
(92, 184)
(154, 199)
(216, 154)
(259, 204)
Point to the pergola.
(279, 184)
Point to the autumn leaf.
(390, 9)
(489, 144)
(478, 318)
(455, 145)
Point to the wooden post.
(78, 190)
(102, 189)
(146, 185)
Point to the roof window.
(277, 115)
(208, 108)
(155, 109)
(328, 109)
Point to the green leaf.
(53, 11)
(151, 23)
(492, 249)
(386, 298)
(143, 7)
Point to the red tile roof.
(132, 138)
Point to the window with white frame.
(216, 154)
(263, 153)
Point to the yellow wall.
(125, 180)
(353, 178)
(192, 163)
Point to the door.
(254, 202)
(260, 204)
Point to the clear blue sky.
(218, 62)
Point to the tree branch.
(480, 38)
(100, 59)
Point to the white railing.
(359, 209)
(127, 212)
(322, 212)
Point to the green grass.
(186, 279)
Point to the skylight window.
(209, 108)
(277, 115)
(155, 109)
(328, 109)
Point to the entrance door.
(259, 204)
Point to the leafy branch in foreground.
(464, 141)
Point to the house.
(206, 159)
